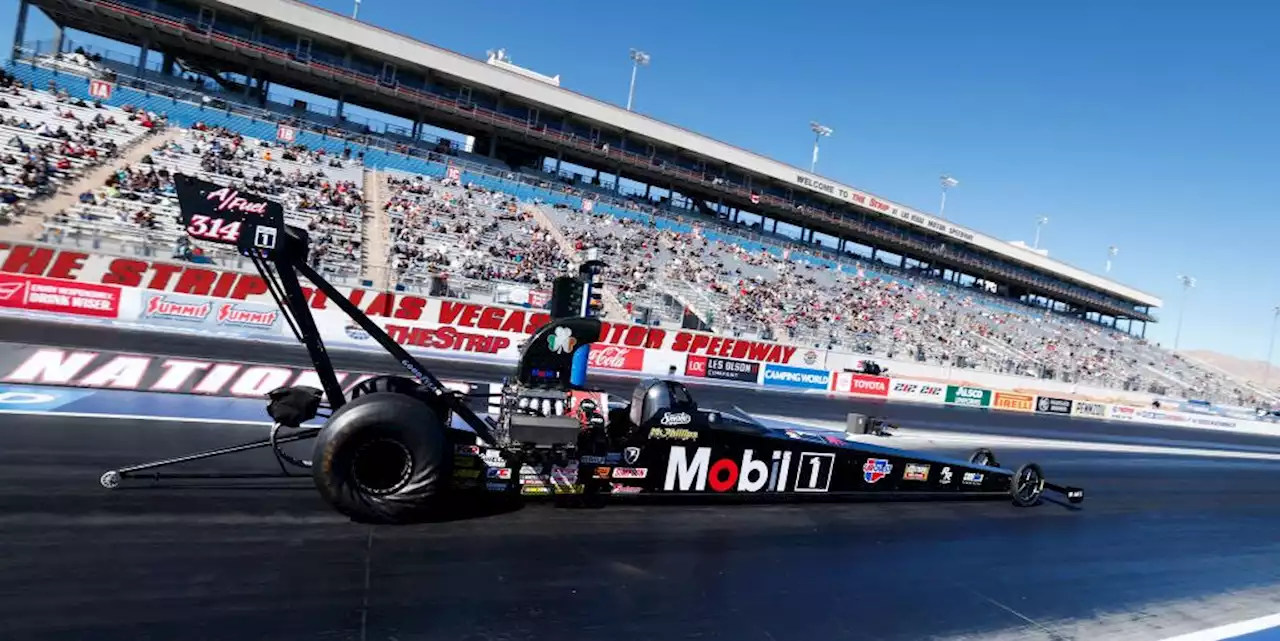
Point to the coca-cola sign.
(615, 357)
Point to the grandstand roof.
(310, 20)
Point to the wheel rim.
(381, 466)
(1028, 485)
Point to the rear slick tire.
(381, 459)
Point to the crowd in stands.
(467, 233)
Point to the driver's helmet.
(654, 396)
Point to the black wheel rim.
(1028, 485)
(381, 466)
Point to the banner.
(31, 365)
(1014, 402)
(1090, 409)
(613, 357)
(852, 383)
(722, 369)
(38, 294)
(797, 377)
(916, 391)
(1051, 405)
(1121, 412)
(197, 313)
(968, 396)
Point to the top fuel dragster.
(406, 448)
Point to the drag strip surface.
(268, 560)
(754, 400)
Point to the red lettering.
(397, 333)
(635, 336)
(726, 346)
(500, 343)
(758, 352)
(740, 349)
(248, 286)
(318, 299)
(161, 274)
(491, 317)
(356, 296)
(723, 475)
(449, 311)
(223, 286)
(787, 353)
(195, 281)
(411, 307)
(515, 323)
(655, 338)
(67, 264)
(26, 259)
(469, 315)
(714, 344)
(536, 322)
(699, 343)
(126, 272)
(381, 305)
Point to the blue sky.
(1147, 125)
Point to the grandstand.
(442, 221)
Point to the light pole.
(1187, 283)
(819, 132)
(1111, 253)
(355, 13)
(638, 59)
(1040, 222)
(1271, 345)
(947, 183)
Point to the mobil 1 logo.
(813, 473)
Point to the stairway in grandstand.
(376, 259)
(612, 306)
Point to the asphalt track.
(1163, 545)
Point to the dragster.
(406, 449)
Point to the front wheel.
(381, 459)
(1026, 485)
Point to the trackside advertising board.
(200, 313)
(1051, 405)
(917, 391)
(862, 384)
(968, 396)
(36, 294)
(725, 369)
(1013, 402)
(796, 377)
(1089, 409)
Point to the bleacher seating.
(476, 226)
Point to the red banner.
(695, 366)
(59, 296)
(614, 357)
(851, 383)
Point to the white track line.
(906, 437)
(1230, 630)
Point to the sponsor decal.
(59, 296)
(465, 461)
(143, 373)
(810, 357)
(944, 477)
(473, 450)
(466, 474)
(615, 357)
(693, 470)
(355, 333)
(618, 488)
(1121, 412)
(916, 472)
(798, 377)
(968, 396)
(676, 418)
(631, 455)
(495, 486)
(243, 316)
(611, 457)
(673, 434)
(1051, 405)
(726, 369)
(562, 341)
(630, 472)
(851, 383)
(535, 490)
(503, 473)
(875, 469)
(602, 472)
(493, 458)
(917, 391)
(972, 478)
(166, 308)
(1016, 402)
